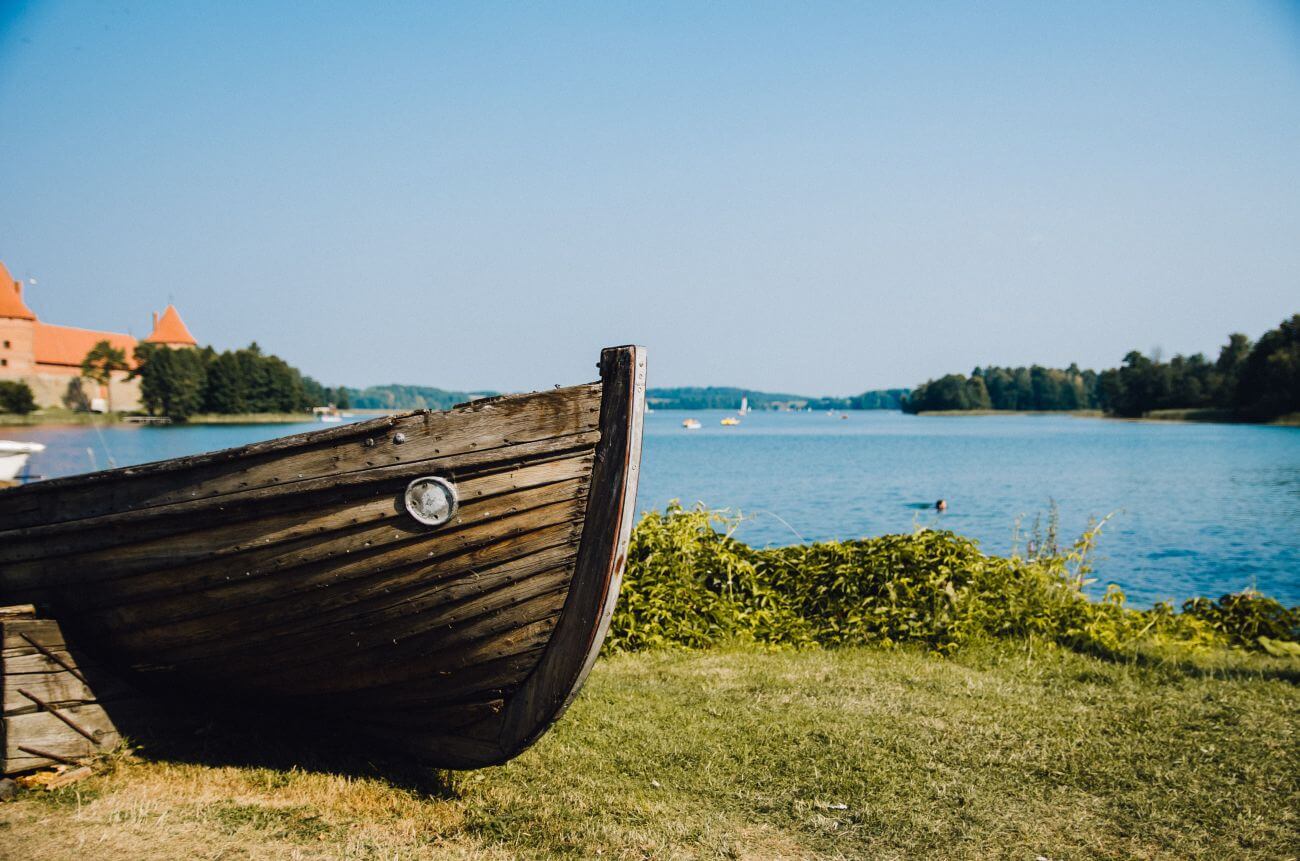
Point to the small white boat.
(13, 457)
(744, 406)
(691, 424)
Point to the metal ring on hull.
(431, 500)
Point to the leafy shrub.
(16, 397)
(1244, 617)
(688, 584)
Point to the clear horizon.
(818, 200)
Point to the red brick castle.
(48, 357)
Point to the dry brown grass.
(745, 755)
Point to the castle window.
(4, 363)
(6, 345)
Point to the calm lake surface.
(1198, 509)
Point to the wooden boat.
(436, 582)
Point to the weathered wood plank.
(382, 612)
(83, 558)
(176, 594)
(445, 718)
(160, 520)
(335, 451)
(56, 688)
(500, 634)
(250, 604)
(440, 627)
(44, 731)
(23, 636)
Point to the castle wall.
(16, 347)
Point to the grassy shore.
(70, 417)
(1198, 415)
(1007, 751)
(1078, 413)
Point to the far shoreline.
(70, 418)
(1184, 416)
(52, 418)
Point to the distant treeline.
(1257, 381)
(729, 398)
(182, 382)
(993, 388)
(399, 397)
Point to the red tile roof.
(170, 329)
(11, 297)
(68, 346)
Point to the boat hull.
(292, 573)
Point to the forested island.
(729, 398)
(1257, 381)
(402, 397)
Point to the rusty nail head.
(399, 438)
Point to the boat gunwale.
(273, 446)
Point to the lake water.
(1199, 509)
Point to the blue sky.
(810, 197)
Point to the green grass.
(1009, 751)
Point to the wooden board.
(51, 712)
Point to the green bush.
(16, 397)
(1247, 617)
(689, 583)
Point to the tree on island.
(171, 381)
(16, 397)
(100, 363)
(180, 383)
(1268, 378)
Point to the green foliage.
(16, 397)
(689, 584)
(171, 381)
(398, 397)
(180, 383)
(1033, 388)
(729, 397)
(1246, 617)
(101, 361)
(686, 584)
(1268, 379)
(1257, 382)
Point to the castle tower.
(17, 328)
(170, 331)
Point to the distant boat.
(744, 406)
(730, 421)
(13, 457)
(329, 414)
(691, 424)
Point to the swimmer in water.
(941, 505)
